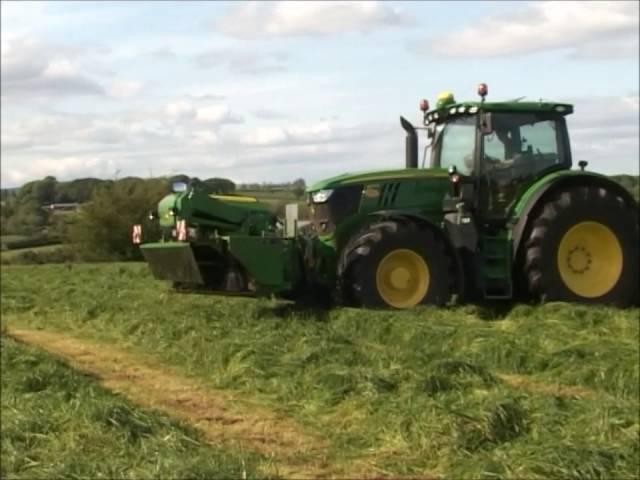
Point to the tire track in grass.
(533, 386)
(221, 416)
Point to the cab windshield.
(454, 145)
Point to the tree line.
(23, 209)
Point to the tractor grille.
(388, 195)
(344, 202)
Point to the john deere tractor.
(499, 213)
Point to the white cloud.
(33, 69)
(194, 135)
(37, 17)
(206, 137)
(30, 68)
(605, 131)
(180, 109)
(243, 61)
(309, 134)
(21, 18)
(217, 115)
(196, 139)
(283, 18)
(163, 53)
(60, 68)
(594, 29)
(268, 114)
(125, 88)
(59, 166)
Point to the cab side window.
(520, 146)
(523, 143)
(457, 144)
(539, 142)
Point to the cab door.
(518, 149)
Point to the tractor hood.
(377, 176)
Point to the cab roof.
(515, 106)
(455, 108)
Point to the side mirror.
(486, 126)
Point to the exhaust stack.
(411, 144)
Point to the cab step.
(495, 248)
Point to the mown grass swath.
(58, 423)
(464, 392)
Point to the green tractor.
(499, 214)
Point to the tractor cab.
(495, 150)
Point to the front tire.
(397, 265)
(583, 247)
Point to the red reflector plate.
(137, 234)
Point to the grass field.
(57, 423)
(466, 392)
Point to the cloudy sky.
(274, 91)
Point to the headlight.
(321, 196)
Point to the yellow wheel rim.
(590, 259)
(402, 278)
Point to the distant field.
(11, 254)
(12, 238)
(532, 392)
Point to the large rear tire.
(583, 247)
(396, 265)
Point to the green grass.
(58, 423)
(405, 392)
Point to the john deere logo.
(372, 191)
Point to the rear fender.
(546, 191)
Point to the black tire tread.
(359, 248)
(573, 199)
